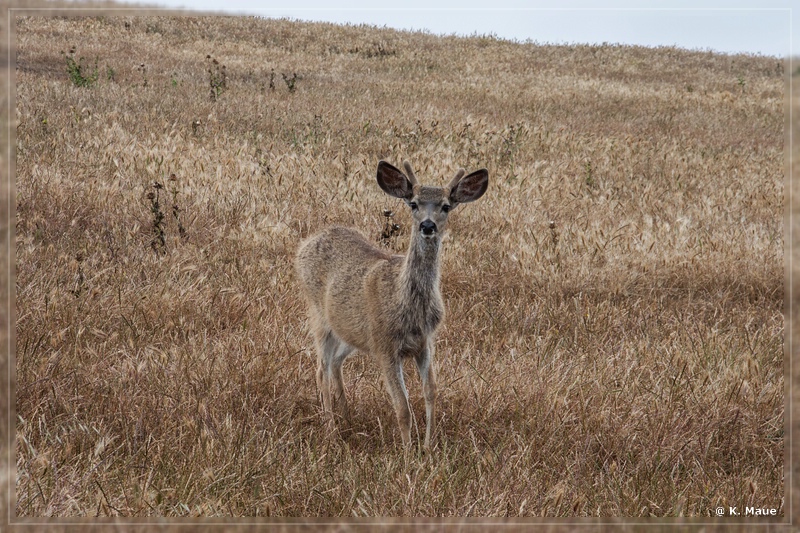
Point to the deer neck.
(420, 275)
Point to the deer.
(361, 297)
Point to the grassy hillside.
(614, 337)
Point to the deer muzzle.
(427, 228)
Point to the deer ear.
(393, 181)
(470, 187)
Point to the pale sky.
(733, 26)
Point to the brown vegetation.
(614, 335)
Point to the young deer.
(361, 297)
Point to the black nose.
(427, 227)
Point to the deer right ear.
(393, 181)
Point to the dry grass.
(614, 339)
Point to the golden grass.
(614, 338)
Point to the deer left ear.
(470, 187)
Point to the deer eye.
(446, 208)
(413, 206)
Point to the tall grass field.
(614, 336)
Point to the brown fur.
(360, 297)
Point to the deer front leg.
(427, 375)
(393, 376)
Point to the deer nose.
(427, 227)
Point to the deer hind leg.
(331, 353)
(339, 352)
(393, 377)
(427, 375)
(323, 376)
